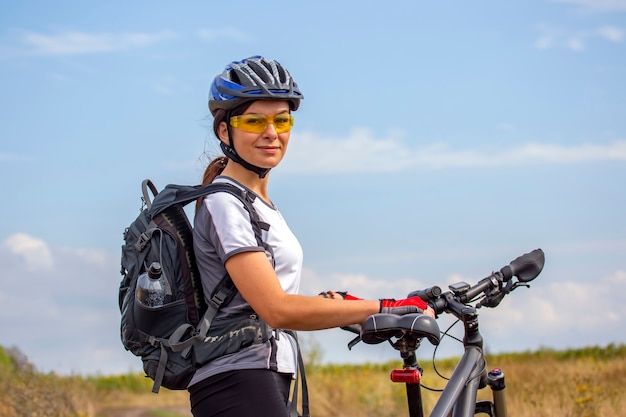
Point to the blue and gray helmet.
(252, 79)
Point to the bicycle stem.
(467, 314)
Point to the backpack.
(175, 339)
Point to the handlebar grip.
(526, 267)
(427, 294)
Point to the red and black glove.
(347, 296)
(403, 306)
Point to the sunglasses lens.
(257, 123)
(283, 123)
(253, 123)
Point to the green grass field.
(585, 382)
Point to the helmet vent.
(260, 72)
(234, 77)
(281, 74)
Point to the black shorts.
(241, 393)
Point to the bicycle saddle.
(380, 327)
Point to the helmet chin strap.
(231, 153)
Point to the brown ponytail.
(214, 169)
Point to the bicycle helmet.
(252, 79)
(248, 80)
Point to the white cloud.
(611, 33)
(553, 37)
(618, 278)
(5, 156)
(34, 252)
(359, 285)
(362, 152)
(362, 286)
(91, 256)
(561, 314)
(59, 305)
(544, 42)
(598, 5)
(575, 44)
(71, 43)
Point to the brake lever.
(353, 342)
(519, 284)
(493, 299)
(354, 328)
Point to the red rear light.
(408, 376)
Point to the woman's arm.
(257, 282)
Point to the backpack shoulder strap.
(300, 375)
(185, 194)
(182, 195)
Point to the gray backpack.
(175, 339)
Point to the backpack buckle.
(142, 241)
(155, 342)
(218, 299)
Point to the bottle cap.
(154, 271)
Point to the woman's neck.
(248, 178)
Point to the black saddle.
(380, 327)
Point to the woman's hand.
(430, 312)
(338, 295)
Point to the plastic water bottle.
(152, 287)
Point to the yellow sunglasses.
(257, 123)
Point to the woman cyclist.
(252, 102)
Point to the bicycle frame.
(459, 396)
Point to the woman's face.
(265, 149)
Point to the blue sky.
(437, 141)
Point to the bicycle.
(405, 334)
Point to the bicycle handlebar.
(494, 287)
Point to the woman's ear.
(222, 131)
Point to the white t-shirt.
(222, 228)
